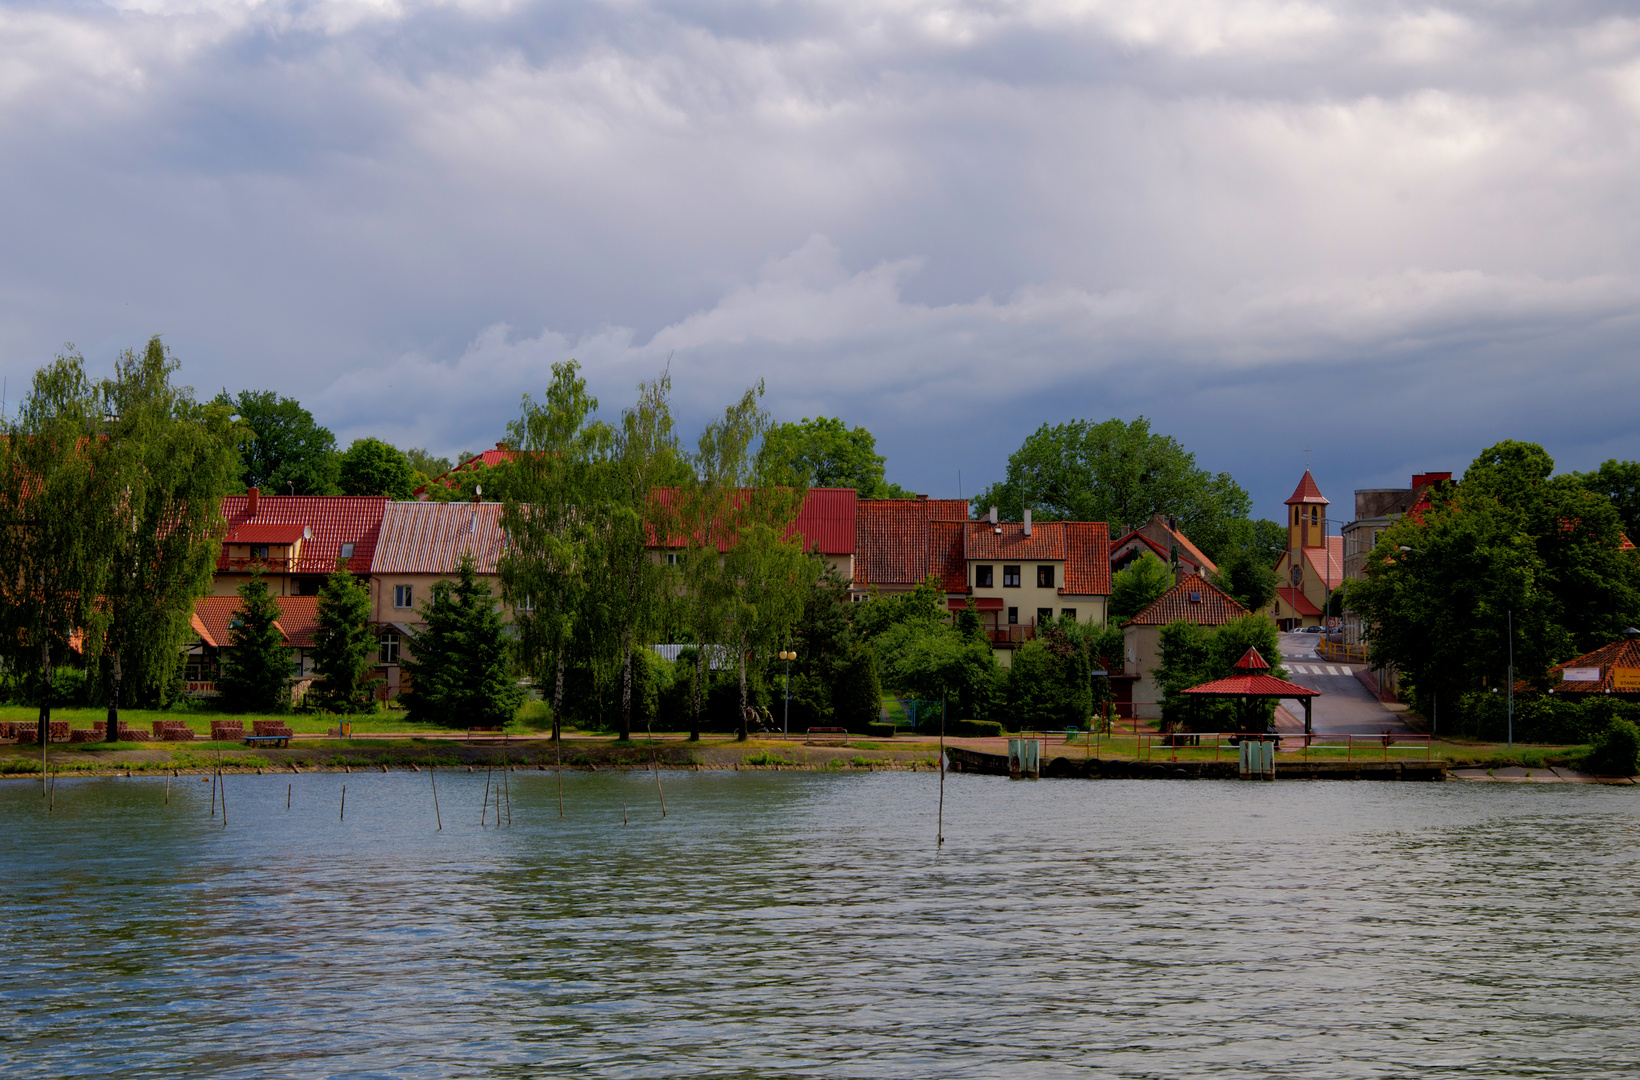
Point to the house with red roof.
(1196, 600)
(295, 541)
(1313, 564)
(1609, 670)
(1160, 536)
(212, 621)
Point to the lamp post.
(786, 717)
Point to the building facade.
(1313, 564)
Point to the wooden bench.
(490, 734)
(267, 740)
(827, 735)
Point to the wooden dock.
(962, 759)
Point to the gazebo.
(1255, 684)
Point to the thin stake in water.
(167, 791)
(623, 811)
(654, 763)
(939, 828)
(558, 741)
(343, 816)
(506, 788)
(287, 796)
(430, 770)
(486, 808)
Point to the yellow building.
(1313, 564)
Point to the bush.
(974, 729)
(881, 731)
(857, 699)
(1616, 750)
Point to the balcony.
(248, 564)
(1011, 634)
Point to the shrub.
(1616, 750)
(857, 700)
(974, 729)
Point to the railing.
(1011, 634)
(1345, 654)
(235, 562)
(1364, 746)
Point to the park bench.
(489, 733)
(827, 735)
(267, 740)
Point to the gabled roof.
(1327, 563)
(891, 542)
(945, 555)
(334, 519)
(1619, 654)
(1007, 540)
(1307, 492)
(253, 533)
(431, 538)
(1136, 538)
(1087, 559)
(298, 619)
(826, 520)
(1252, 660)
(1195, 599)
(1261, 686)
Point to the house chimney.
(993, 515)
(253, 495)
(1027, 521)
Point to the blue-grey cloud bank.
(1387, 233)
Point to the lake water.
(803, 925)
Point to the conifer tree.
(459, 663)
(343, 642)
(256, 670)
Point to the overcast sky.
(1391, 233)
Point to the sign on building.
(1581, 674)
(1626, 678)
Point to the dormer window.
(347, 551)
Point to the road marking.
(1334, 671)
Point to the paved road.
(1345, 706)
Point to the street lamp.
(786, 718)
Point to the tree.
(1618, 481)
(344, 640)
(283, 449)
(59, 498)
(1047, 685)
(1247, 578)
(1135, 588)
(458, 664)
(826, 452)
(857, 699)
(372, 467)
(174, 459)
(1193, 654)
(256, 670)
(769, 577)
(543, 569)
(426, 465)
(1120, 473)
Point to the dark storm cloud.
(1389, 233)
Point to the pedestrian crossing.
(1317, 669)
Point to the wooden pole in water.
(939, 828)
(224, 788)
(623, 811)
(486, 809)
(213, 795)
(654, 762)
(506, 789)
(167, 791)
(558, 741)
(343, 816)
(287, 796)
(436, 818)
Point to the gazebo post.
(1308, 730)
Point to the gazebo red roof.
(1266, 686)
(1252, 661)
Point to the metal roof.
(430, 537)
(1253, 686)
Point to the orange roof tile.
(1253, 686)
(298, 619)
(983, 540)
(891, 542)
(334, 519)
(1087, 559)
(1327, 564)
(945, 555)
(1619, 654)
(1210, 606)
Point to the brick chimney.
(253, 495)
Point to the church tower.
(1306, 516)
(1313, 564)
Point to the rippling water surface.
(803, 925)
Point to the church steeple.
(1306, 516)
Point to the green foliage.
(1193, 654)
(425, 464)
(282, 445)
(1120, 473)
(826, 452)
(1616, 750)
(932, 661)
(857, 697)
(925, 603)
(974, 729)
(459, 663)
(1137, 587)
(1619, 482)
(256, 667)
(372, 467)
(344, 642)
(1511, 545)
(1247, 578)
(1047, 686)
(479, 483)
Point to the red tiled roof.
(1299, 602)
(943, 509)
(1307, 492)
(1087, 562)
(982, 541)
(891, 545)
(265, 534)
(1120, 547)
(1253, 686)
(1212, 608)
(981, 603)
(430, 537)
(1193, 552)
(1251, 660)
(1327, 564)
(825, 520)
(1619, 654)
(298, 619)
(334, 519)
(945, 554)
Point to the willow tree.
(59, 501)
(174, 459)
(543, 570)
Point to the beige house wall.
(1144, 655)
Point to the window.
(259, 551)
(1013, 616)
(1044, 616)
(1010, 577)
(674, 558)
(389, 647)
(347, 551)
(1068, 613)
(296, 663)
(526, 603)
(1195, 598)
(402, 596)
(1044, 577)
(982, 577)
